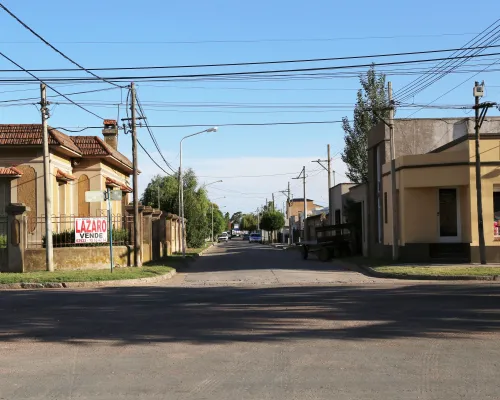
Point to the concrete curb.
(88, 285)
(366, 270)
(201, 252)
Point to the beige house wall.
(418, 187)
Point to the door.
(448, 215)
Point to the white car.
(222, 237)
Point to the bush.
(67, 239)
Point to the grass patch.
(438, 271)
(84, 276)
(190, 252)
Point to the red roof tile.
(31, 134)
(64, 175)
(10, 171)
(123, 187)
(94, 146)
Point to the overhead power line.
(59, 95)
(52, 47)
(55, 90)
(254, 62)
(151, 134)
(249, 73)
(487, 37)
(251, 40)
(211, 125)
(152, 159)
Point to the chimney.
(110, 133)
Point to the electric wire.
(52, 47)
(248, 63)
(55, 90)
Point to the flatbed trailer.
(332, 241)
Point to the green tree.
(372, 104)
(272, 221)
(248, 222)
(236, 218)
(196, 203)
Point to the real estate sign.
(91, 230)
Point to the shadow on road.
(228, 314)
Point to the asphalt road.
(251, 322)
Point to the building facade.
(436, 194)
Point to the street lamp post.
(212, 204)
(181, 187)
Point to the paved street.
(252, 322)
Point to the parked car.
(255, 238)
(223, 237)
(246, 236)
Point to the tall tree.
(272, 221)
(196, 203)
(371, 105)
(236, 217)
(248, 222)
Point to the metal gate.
(3, 243)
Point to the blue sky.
(228, 31)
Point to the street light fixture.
(212, 204)
(181, 187)
(211, 183)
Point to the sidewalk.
(426, 271)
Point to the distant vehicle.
(255, 238)
(246, 236)
(223, 237)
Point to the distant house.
(295, 211)
(77, 164)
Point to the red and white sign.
(91, 230)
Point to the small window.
(385, 207)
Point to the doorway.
(448, 215)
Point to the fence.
(3, 241)
(63, 232)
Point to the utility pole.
(47, 183)
(159, 197)
(273, 200)
(328, 169)
(394, 193)
(480, 114)
(212, 231)
(290, 228)
(137, 247)
(302, 176)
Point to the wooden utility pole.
(328, 169)
(137, 247)
(302, 176)
(394, 193)
(47, 182)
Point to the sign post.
(94, 230)
(110, 224)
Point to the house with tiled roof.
(77, 164)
